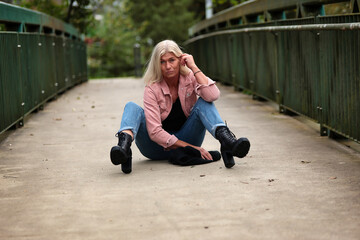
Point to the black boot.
(121, 154)
(230, 146)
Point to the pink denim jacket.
(158, 103)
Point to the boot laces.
(231, 133)
(121, 138)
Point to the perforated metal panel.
(307, 65)
(35, 66)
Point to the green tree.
(198, 9)
(111, 50)
(122, 23)
(219, 5)
(45, 6)
(78, 13)
(126, 22)
(158, 20)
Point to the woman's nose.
(168, 65)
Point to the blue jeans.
(204, 116)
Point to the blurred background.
(114, 29)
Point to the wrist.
(198, 71)
(194, 69)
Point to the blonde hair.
(153, 70)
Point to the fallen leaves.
(305, 162)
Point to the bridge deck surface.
(57, 182)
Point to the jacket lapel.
(164, 87)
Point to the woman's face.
(170, 65)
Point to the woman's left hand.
(204, 153)
(188, 60)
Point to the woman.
(173, 115)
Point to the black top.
(176, 118)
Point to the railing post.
(355, 6)
(20, 123)
(137, 60)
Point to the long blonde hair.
(153, 70)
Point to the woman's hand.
(188, 60)
(204, 154)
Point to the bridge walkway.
(57, 182)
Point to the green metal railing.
(308, 64)
(40, 57)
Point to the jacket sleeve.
(153, 120)
(209, 92)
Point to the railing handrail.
(11, 14)
(266, 7)
(308, 27)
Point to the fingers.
(205, 154)
(182, 60)
(187, 59)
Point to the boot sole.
(241, 148)
(117, 155)
(228, 158)
(127, 166)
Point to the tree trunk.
(69, 11)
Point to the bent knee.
(132, 105)
(201, 101)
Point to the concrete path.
(57, 181)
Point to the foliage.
(123, 23)
(45, 6)
(79, 14)
(198, 8)
(156, 20)
(159, 20)
(145, 22)
(219, 5)
(110, 48)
